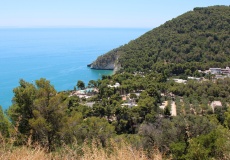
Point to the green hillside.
(198, 39)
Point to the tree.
(214, 145)
(72, 130)
(48, 120)
(175, 133)
(96, 128)
(80, 84)
(152, 91)
(22, 108)
(227, 119)
(92, 83)
(188, 72)
(4, 124)
(167, 111)
(39, 111)
(133, 96)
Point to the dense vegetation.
(41, 116)
(61, 125)
(198, 39)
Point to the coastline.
(61, 59)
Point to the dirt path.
(173, 108)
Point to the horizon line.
(25, 27)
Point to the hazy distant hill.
(197, 39)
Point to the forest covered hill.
(198, 39)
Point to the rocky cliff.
(108, 61)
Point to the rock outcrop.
(108, 61)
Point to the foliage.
(80, 84)
(210, 145)
(39, 111)
(198, 39)
(175, 133)
(4, 124)
(56, 118)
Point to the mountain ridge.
(200, 37)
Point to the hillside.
(198, 39)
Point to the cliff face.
(107, 66)
(108, 61)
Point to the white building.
(215, 70)
(194, 78)
(215, 104)
(114, 86)
(225, 71)
(180, 81)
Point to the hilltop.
(198, 39)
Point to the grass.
(119, 150)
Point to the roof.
(216, 103)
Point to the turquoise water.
(57, 54)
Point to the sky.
(96, 13)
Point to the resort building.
(194, 78)
(114, 86)
(215, 104)
(226, 71)
(180, 81)
(215, 70)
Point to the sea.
(60, 55)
